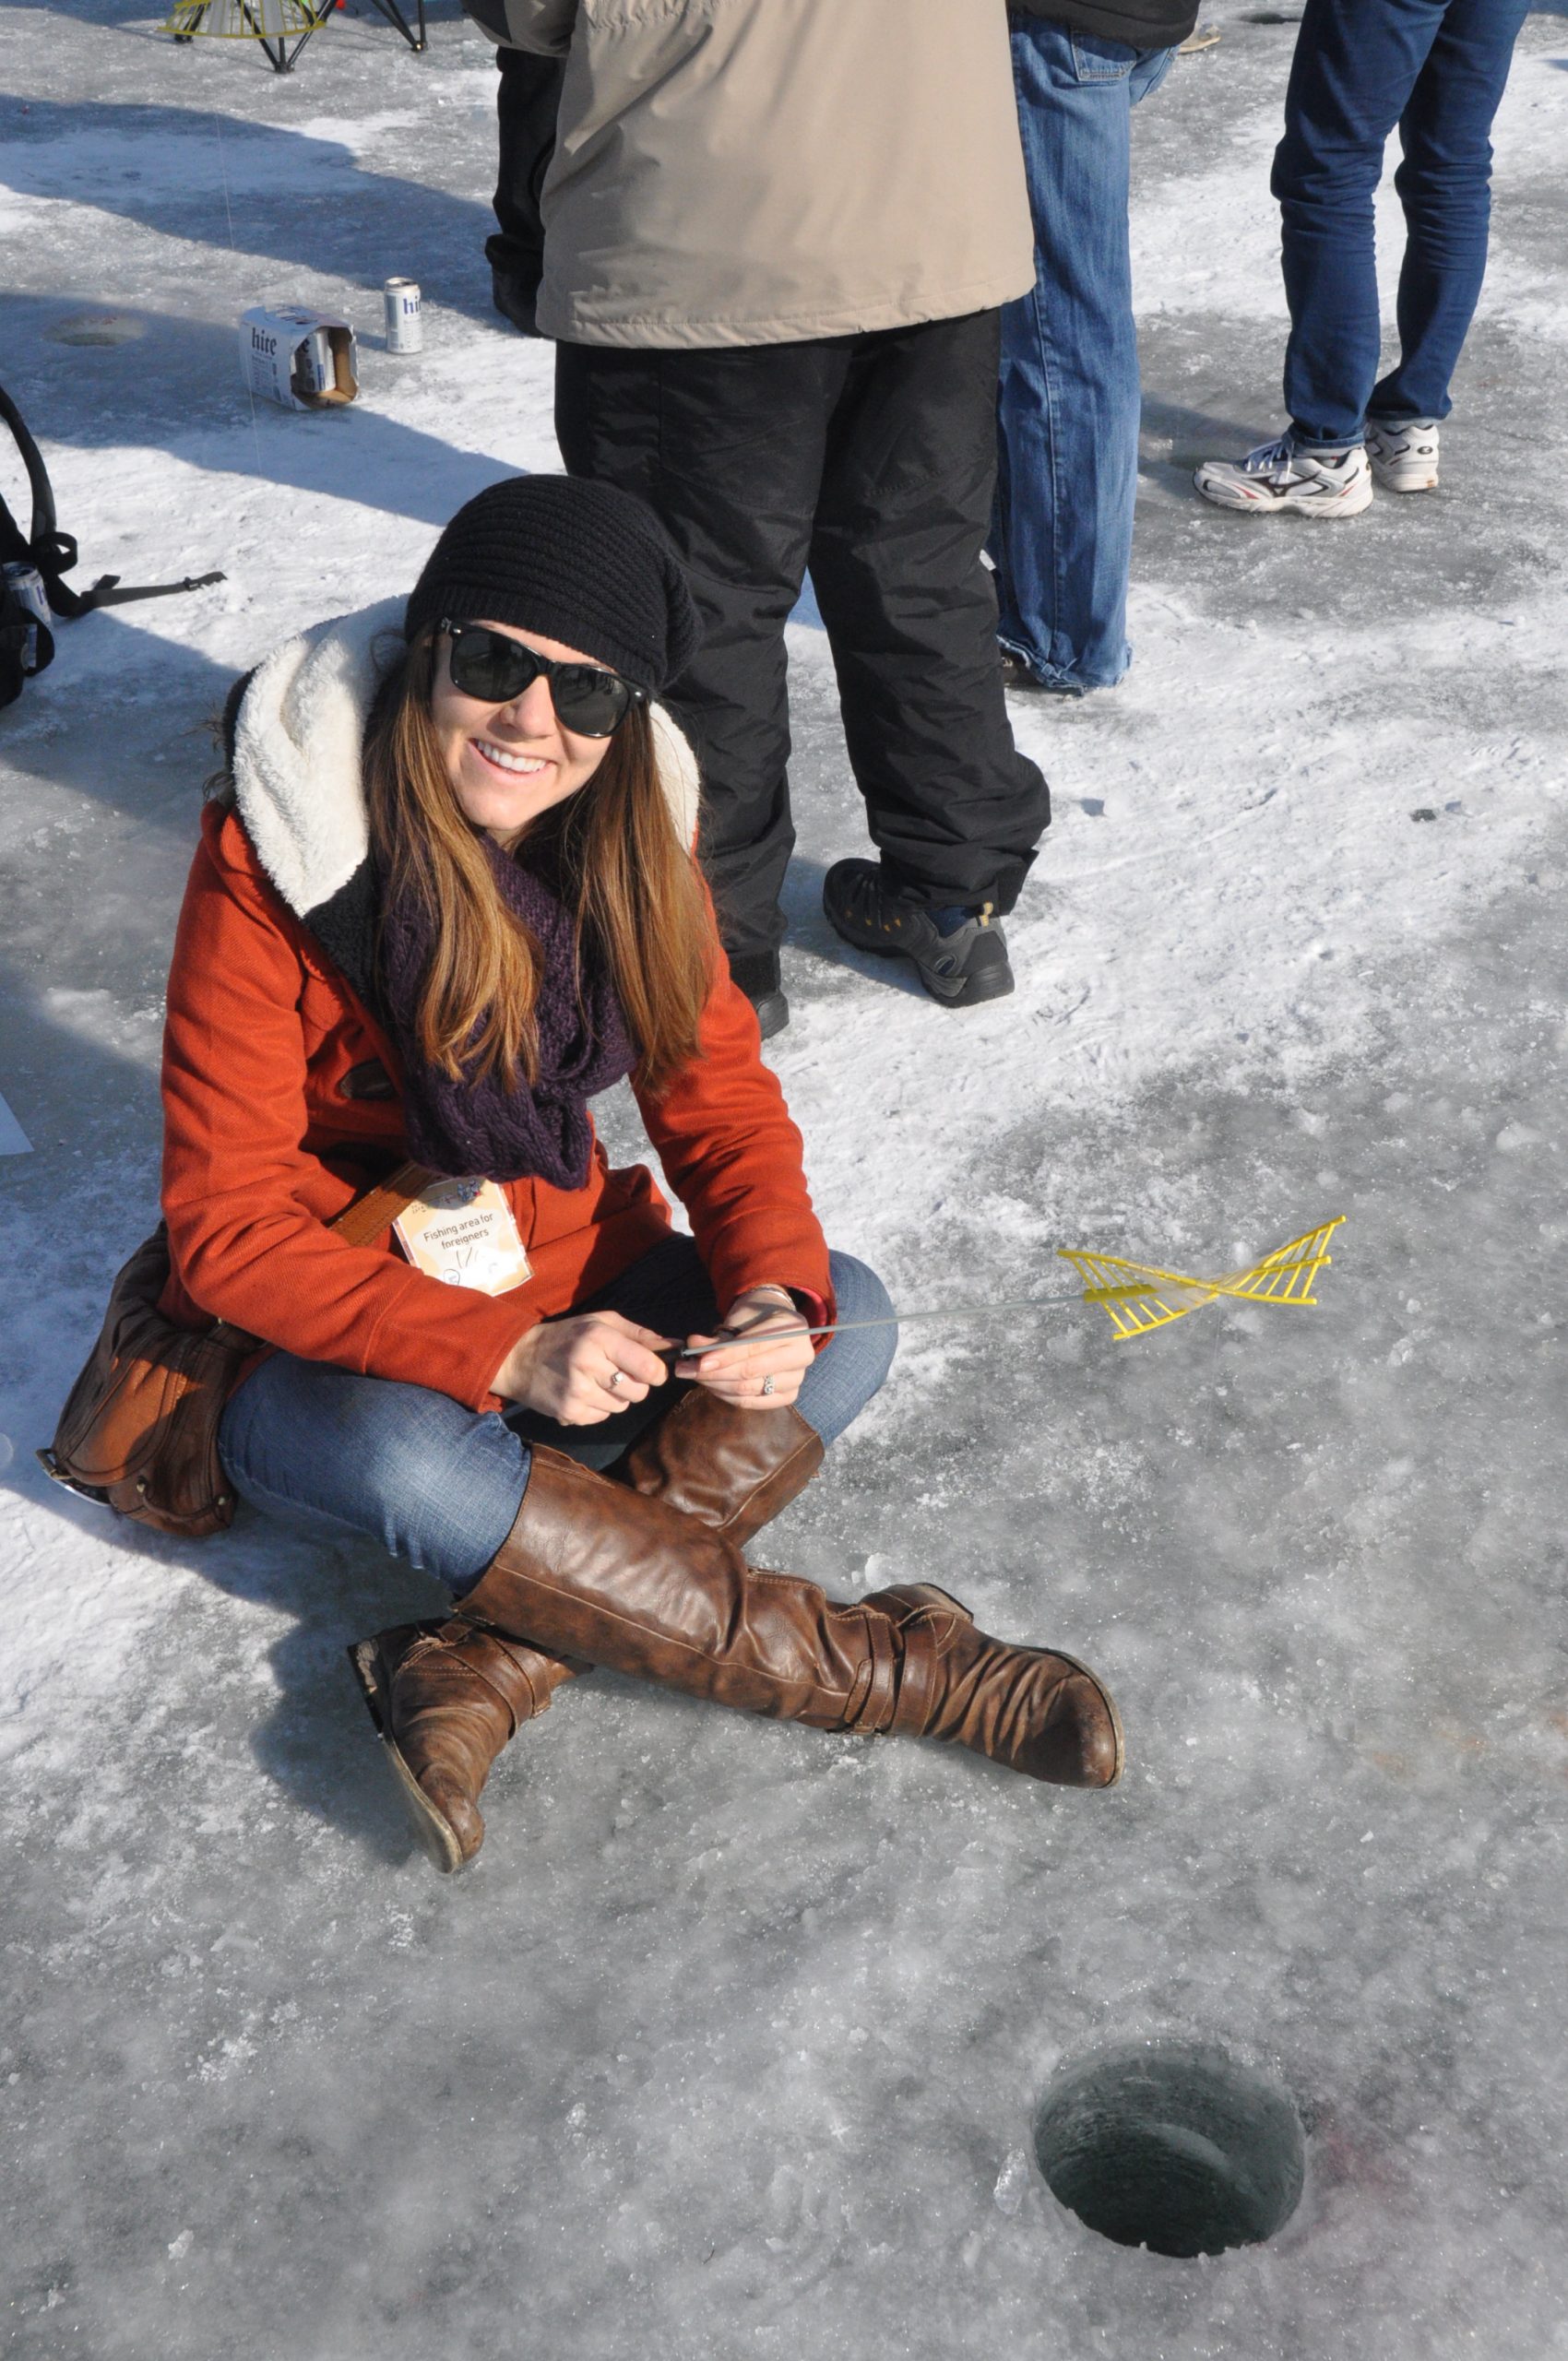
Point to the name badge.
(463, 1233)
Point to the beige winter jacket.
(755, 172)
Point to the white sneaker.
(1403, 453)
(1275, 479)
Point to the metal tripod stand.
(305, 19)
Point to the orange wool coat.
(266, 1045)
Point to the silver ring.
(614, 1380)
(767, 1386)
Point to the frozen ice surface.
(733, 2043)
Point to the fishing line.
(234, 250)
(889, 1319)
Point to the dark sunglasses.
(487, 665)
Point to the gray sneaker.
(960, 968)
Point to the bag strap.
(360, 1224)
(55, 553)
(15, 545)
(363, 1222)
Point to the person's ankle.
(755, 971)
(1316, 446)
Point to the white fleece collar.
(297, 742)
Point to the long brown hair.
(614, 855)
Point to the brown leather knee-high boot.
(733, 1470)
(592, 1569)
(447, 1696)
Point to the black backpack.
(33, 591)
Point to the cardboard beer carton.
(301, 359)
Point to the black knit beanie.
(573, 561)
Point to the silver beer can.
(313, 371)
(405, 330)
(25, 585)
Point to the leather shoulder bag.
(140, 1430)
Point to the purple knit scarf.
(478, 1129)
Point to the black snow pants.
(869, 458)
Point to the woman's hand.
(756, 1377)
(581, 1371)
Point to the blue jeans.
(1067, 398)
(1437, 70)
(335, 1454)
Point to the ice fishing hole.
(1171, 2145)
(99, 327)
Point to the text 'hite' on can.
(405, 330)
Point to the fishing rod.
(1136, 1297)
(726, 1341)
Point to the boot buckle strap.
(475, 1652)
(917, 1678)
(881, 1699)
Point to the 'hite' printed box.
(303, 359)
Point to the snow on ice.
(736, 2040)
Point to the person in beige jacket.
(776, 237)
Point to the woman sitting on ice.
(446, 898)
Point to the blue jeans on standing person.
(1067, 399)
(1436, 69)
(336, 1454)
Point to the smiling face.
(509, 763)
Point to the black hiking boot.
(960, 956)
(757, 974)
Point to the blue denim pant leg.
(336, 1454)
(1067, 397)
(851, 1368)
(1444, 186)
(668, 1290)
(1437, 70)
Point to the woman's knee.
(858, 1292)
(861, 1301)
(432, 1481)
